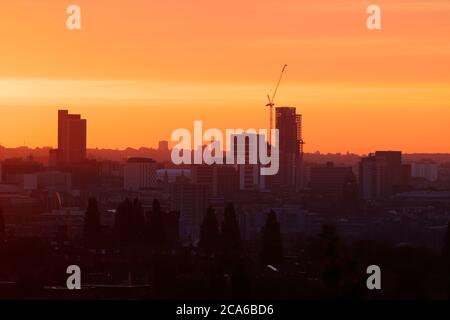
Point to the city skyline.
(358, 90)
(171, 144)
(52, 128)
(262, 153)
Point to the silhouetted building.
(381, 174)
(426, 169)
(205, 175)
(246, 155)
(50, 181)
(227, 180)
(111, 173)
(163, 145)
(330, 180)
(289, 124)
(220, 179)
(406, 176)
(13, 170)
(71, 140)
(163, 150)
(191, 201)
(139, 173)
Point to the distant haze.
(138, 71)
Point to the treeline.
(133, 225)
(157, 229)
(221, 265)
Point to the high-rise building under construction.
(289, 125)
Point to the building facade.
(72, 133)
(289, 125)
(139, 173)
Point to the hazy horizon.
(140, 71)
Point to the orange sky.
(138, 71)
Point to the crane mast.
(271, 103)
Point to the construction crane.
(271, 103)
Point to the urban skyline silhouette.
(233, 158)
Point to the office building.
(382, 174)
(246, 158)
(163, 145)
(331, 181)
(289, 124)
(190, 200)
(71, 140)
(49, 181)
(139, 173)
(425, 169)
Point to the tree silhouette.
(209, 232)
(349, 203)
(446, 258)
(2, 226)
(137, 221)
(331, 270)
(155, 225)
(240, 282)
(446, 247)
(92, 227)
(272, 251)
(231, 236)
(122, 223)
